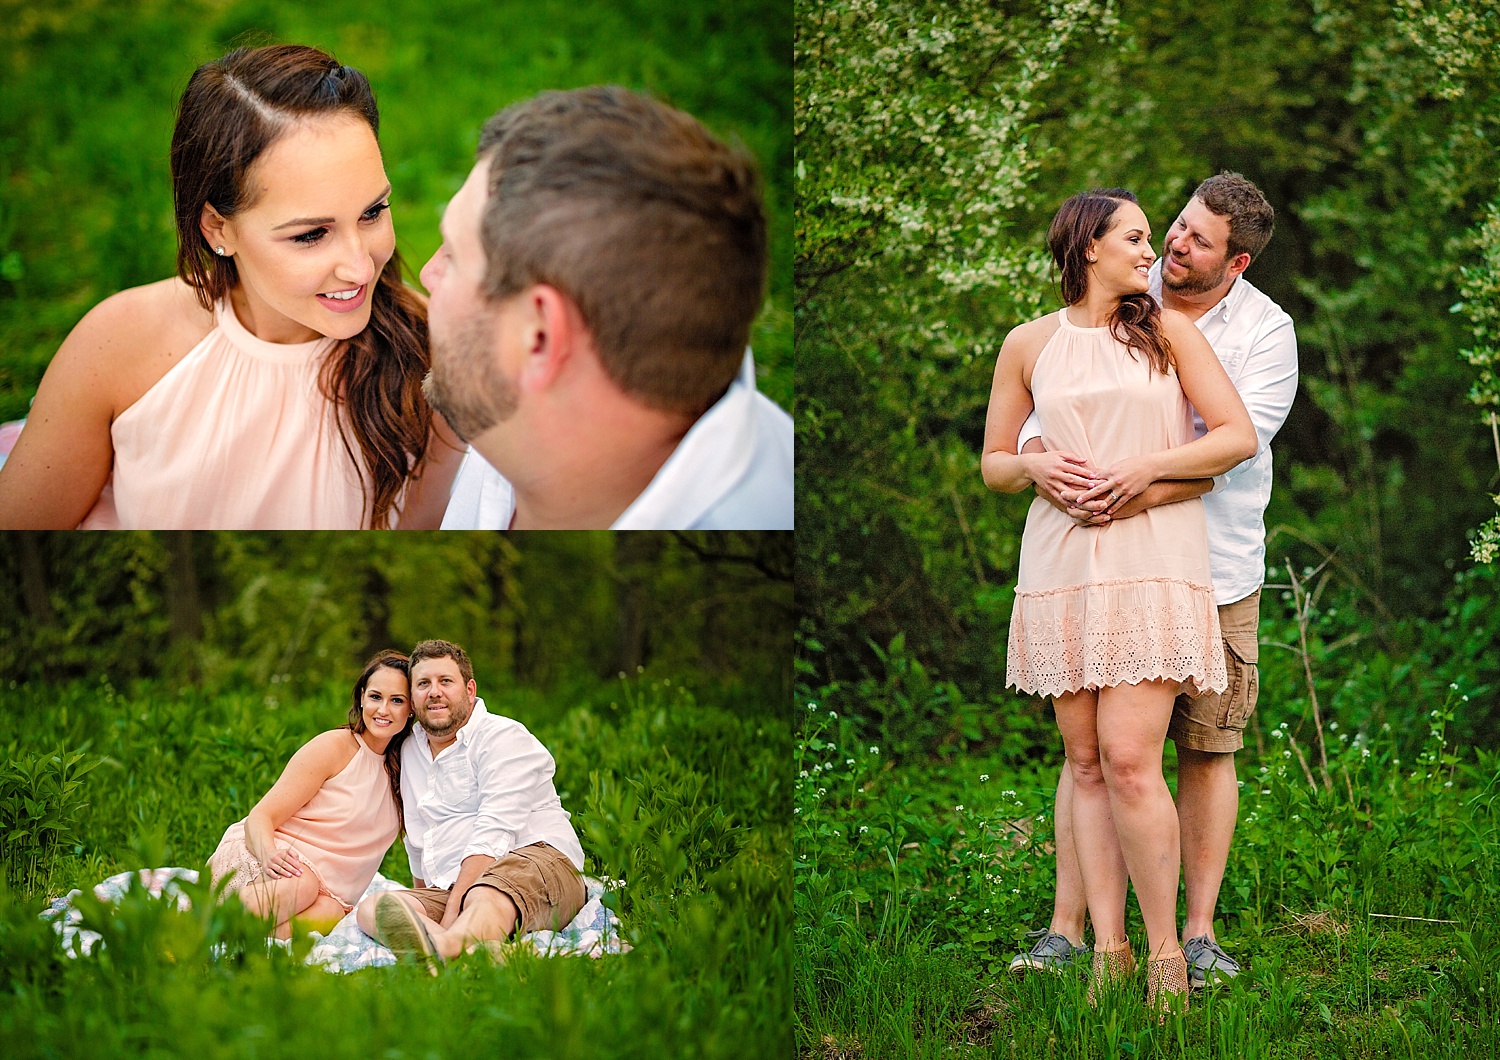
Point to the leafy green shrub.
(42, 800)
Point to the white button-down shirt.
(489, 792)
(1256, 343)
(731, 471)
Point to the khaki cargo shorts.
(546, 887)
(1216, 722)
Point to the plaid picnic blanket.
(594, 932)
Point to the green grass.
(916, 880)
(86, 110)
(685, 801)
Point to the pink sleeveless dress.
(236, 436)
(1132, 600)
(342, 833)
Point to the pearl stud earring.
(220, 251)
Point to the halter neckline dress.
(236, 435)
(1132, 600)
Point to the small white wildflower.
(874, 750)
(1007, 794)
(983, 777)
(1265, 791)
(1240, 783)
(863, 829)
(848, 761)
(1333, 726)
(1278, 734)
(833, 713)
(812, 706)
(959, 807)
(822, 791)
(797, 810)
(838, 833)
(1286, 754)
(803, 774)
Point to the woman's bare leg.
(1132, 727)
(1094, 834)
(322, 916)
(280, 900)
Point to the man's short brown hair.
(1250, 215)
(654, 228)
(442, 649)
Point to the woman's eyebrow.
(328, 220)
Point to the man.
(492, 851)
(1223, 227)
(590, 308)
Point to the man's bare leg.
(1068, 903)
(1208, 803)
(488, 916)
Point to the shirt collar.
(707, 464)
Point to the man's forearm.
(1165, 491)
(473, 867)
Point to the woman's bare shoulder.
(157, 315)
(1175, 324)
(1182, 334)
(1026, 340)
(132, 338)
(329, 752)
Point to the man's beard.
(456, 719)
(1196, 283)
(465, 382)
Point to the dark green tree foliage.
(934, 143)
(542, 610)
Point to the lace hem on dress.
(1116, 633)
(233, 859)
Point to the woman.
(1113, 620)
(313, 843)
(275, 382)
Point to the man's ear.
(211, 224)
(1238, 264)
(473, 688)
(553, 332)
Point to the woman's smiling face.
(1123, 255)
(386, 702)
(317, 233)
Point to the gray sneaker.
(1206, 962)
(1050, 953)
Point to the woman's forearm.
(1006, 472)
(260, 835)
(1213, 454)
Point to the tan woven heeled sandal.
(1110, 966)
(1167, 985)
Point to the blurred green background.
(89, 89)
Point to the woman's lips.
(336, 305)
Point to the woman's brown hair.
(232, 110)
(356, 722)
(1136, 320)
